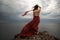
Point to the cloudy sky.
(13, 9)
(12, 21)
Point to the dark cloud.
(12, 10)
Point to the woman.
(32, 27)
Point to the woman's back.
(36, 12)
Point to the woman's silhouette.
(32, 27)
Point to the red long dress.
(31, 27)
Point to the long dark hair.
(35, 7)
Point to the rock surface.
(39, 36)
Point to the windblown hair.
(35, 7)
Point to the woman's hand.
(25, 13)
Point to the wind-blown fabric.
(30, 27)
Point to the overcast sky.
(13, 9)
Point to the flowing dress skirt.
(31, 27)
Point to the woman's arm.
(26, 12)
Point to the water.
(8, 30)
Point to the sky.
(12, 21)
(13, 9)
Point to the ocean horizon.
(9, 30)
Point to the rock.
(40, 36)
